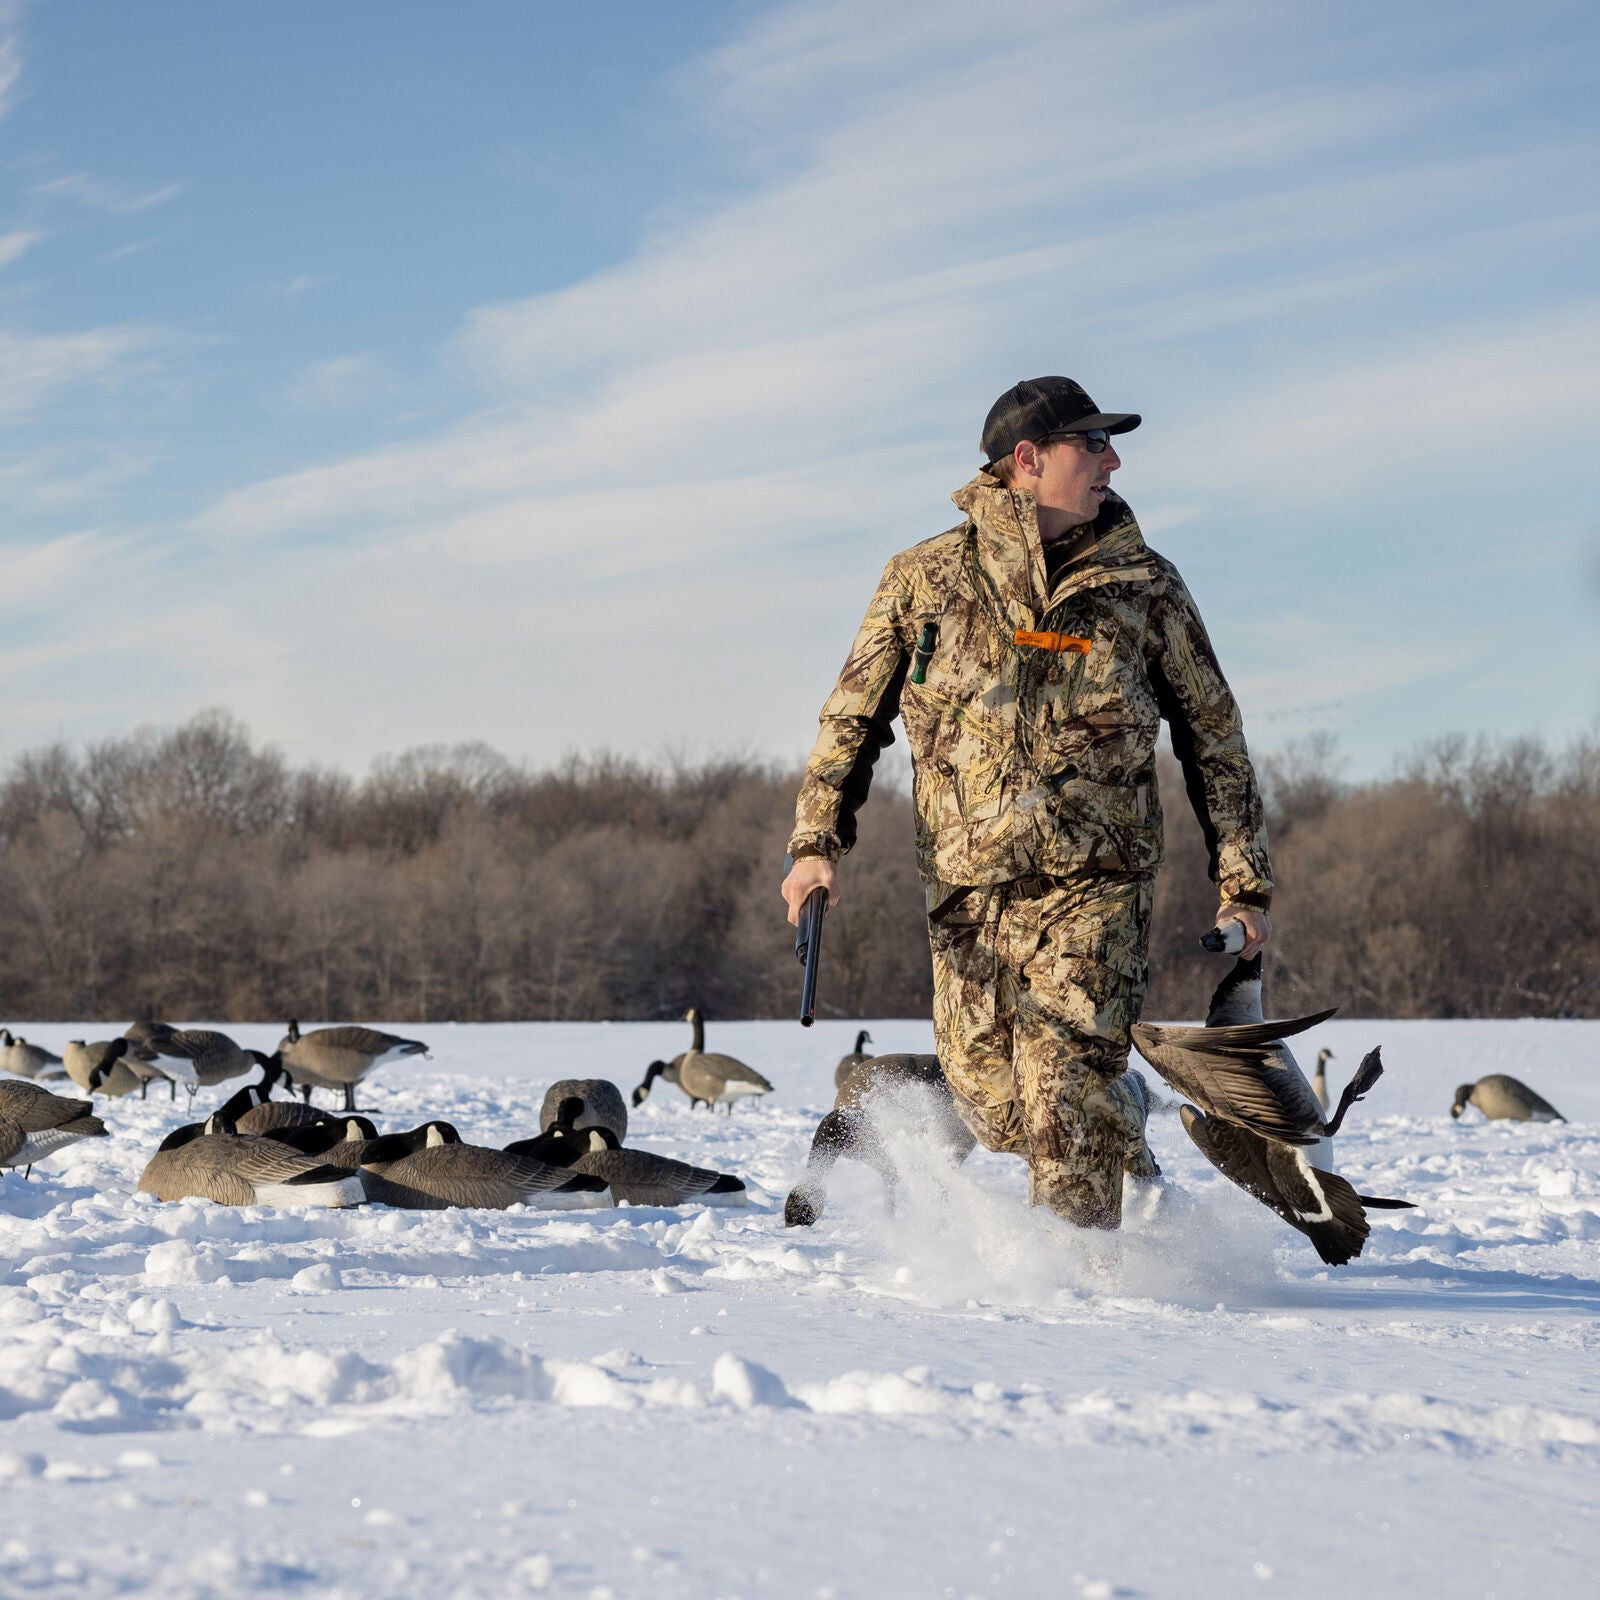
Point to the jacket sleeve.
(1208, 740)
(855, 726)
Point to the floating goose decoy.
(602, 1102)
(1246, 1079)
(33, 1122)
(198, 1058)
(429, 1169)
(1503, 1098)
(98, 1068)
(1319, 1079)
(28, 1060)
(209, 1161)
(849, 1063)
(851, 1131)
(705, 1076)
(339, 1058)
(635, 1176)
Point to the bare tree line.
(190, 873)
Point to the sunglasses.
(1094, 439)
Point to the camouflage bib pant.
(1034, 994)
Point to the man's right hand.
(807, 875)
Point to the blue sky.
(563, 376)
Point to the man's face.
(1071, 480)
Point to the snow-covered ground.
(966, 1399)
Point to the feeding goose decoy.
(429, 1169)
(34, 1122)
(706, 1076)
(1319, 1079)
(852, 1129)
(667, 1072)
(198, 1058)
(1247, 1082)
(28, 1060)
(339, 1058)
(99, 1068)
(849, 1063)
(210, 1161)
(1503, 1098)
(601, 1101)
(637, 1177)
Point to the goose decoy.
(851, 1130)
(198, 1058)
(98, 1068)
(849, 1063)
(1505, 1099)
(28, 1060)
(210, 1161)
(429, 1169)
(667, 1072)
(635, 1176)
(140, 1055)
(34, 1122)
(339, 1058)
(1319, 1079)
(704, 1075)
(1247, 1081)
(253, 1110)
(602, 1105)
(340, 1141)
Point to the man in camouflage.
(1030, 653)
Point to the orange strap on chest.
(1064, 642)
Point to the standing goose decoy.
(704, 1075)
(28, 1060)
(635, 1176)
(209, 1161)
(140, 1057)
(602, 1105)
(98, 1068)
(198, 1058)
(849, 1063)
(851, 1130)
(667, 1072)
(339, 1058)
(1319, 1079)
(1505, 1099)
(34, 1122)
(1261, 1126)
(429, 1169)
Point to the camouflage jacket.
(1036, 754)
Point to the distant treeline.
(191, 874)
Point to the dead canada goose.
(849, 1063)
(635, 1176)
(28, 1060)
(429, 1169)
(98, 1068)
(253, 1110)
(1503, 1098)
(916, 1087)
(1319, 1079)
(34, 1122)
(706, 1076)
(339, 1058)
(602, 1105)
(1246, 1077)
(198, 1058)
(209, 1161)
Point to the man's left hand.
(1257, 926)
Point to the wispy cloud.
(106, 194)
(16, 244)
(10, 54)
(33, 367)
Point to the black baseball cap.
(1038, 407)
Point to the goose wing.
(445, 1175)
(1322, 1205)
(35, 1110)
(643, 1179)
(1255, 1085)
(366, 1041)
(725, 1068)
(197, 1170)
(11, 1137)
